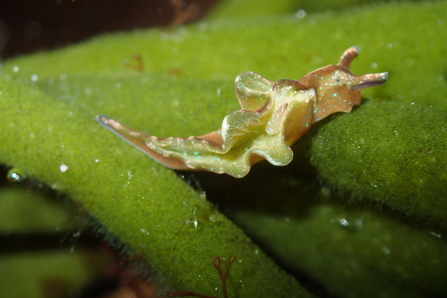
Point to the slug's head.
(337, 88)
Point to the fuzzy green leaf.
(48, 102)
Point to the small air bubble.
(34, 78)
(344, 222)
(62, 77)
(15, 175)
(300, 14)
(15, 69)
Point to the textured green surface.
(301, 45)
(50, 100)
(145, 206)
(361, 252)
(243, 9)
(411, 177)
(347, 250)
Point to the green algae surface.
(50, 101)
(412, 177)
(147, 207)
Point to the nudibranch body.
(273, 116)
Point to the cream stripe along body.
(273, 116)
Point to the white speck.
(15, 69)
(300, 14)
(196, 223)
(62, 77)
(63, 168)
(144, 231)
(34, 78)
(96, 160)
(385, 250)
(344, 222)
(435, 234)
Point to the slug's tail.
(142, 142)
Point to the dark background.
(28, 26)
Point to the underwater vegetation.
(360, 207)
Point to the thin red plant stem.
(217, 263)
(223, 276)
